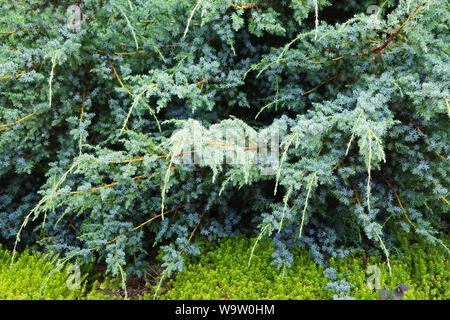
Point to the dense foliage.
(423, 268)
(95, 118)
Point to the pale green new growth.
(50, 80)
(316, 11)
(353, 133)
(129, 26)
(310, 184)
(256, 242)
(133, 105)
(283, 158)
(191, 16)
(285, 200)
(37, 209)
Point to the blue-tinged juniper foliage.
(94, 119)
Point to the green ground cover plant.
(422, 267)
(34, 276)
(225, 272)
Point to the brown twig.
(379, 49)
(332, 78)
(247, 6)
(5, 126)
(140, 226)
(423, 136)
(355, 191)
(396, 197)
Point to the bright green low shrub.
(29, 274)
(423, 267)
(223, 273)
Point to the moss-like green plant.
(423, 267)
(205, 278)
(34, 276)
(223, 273)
